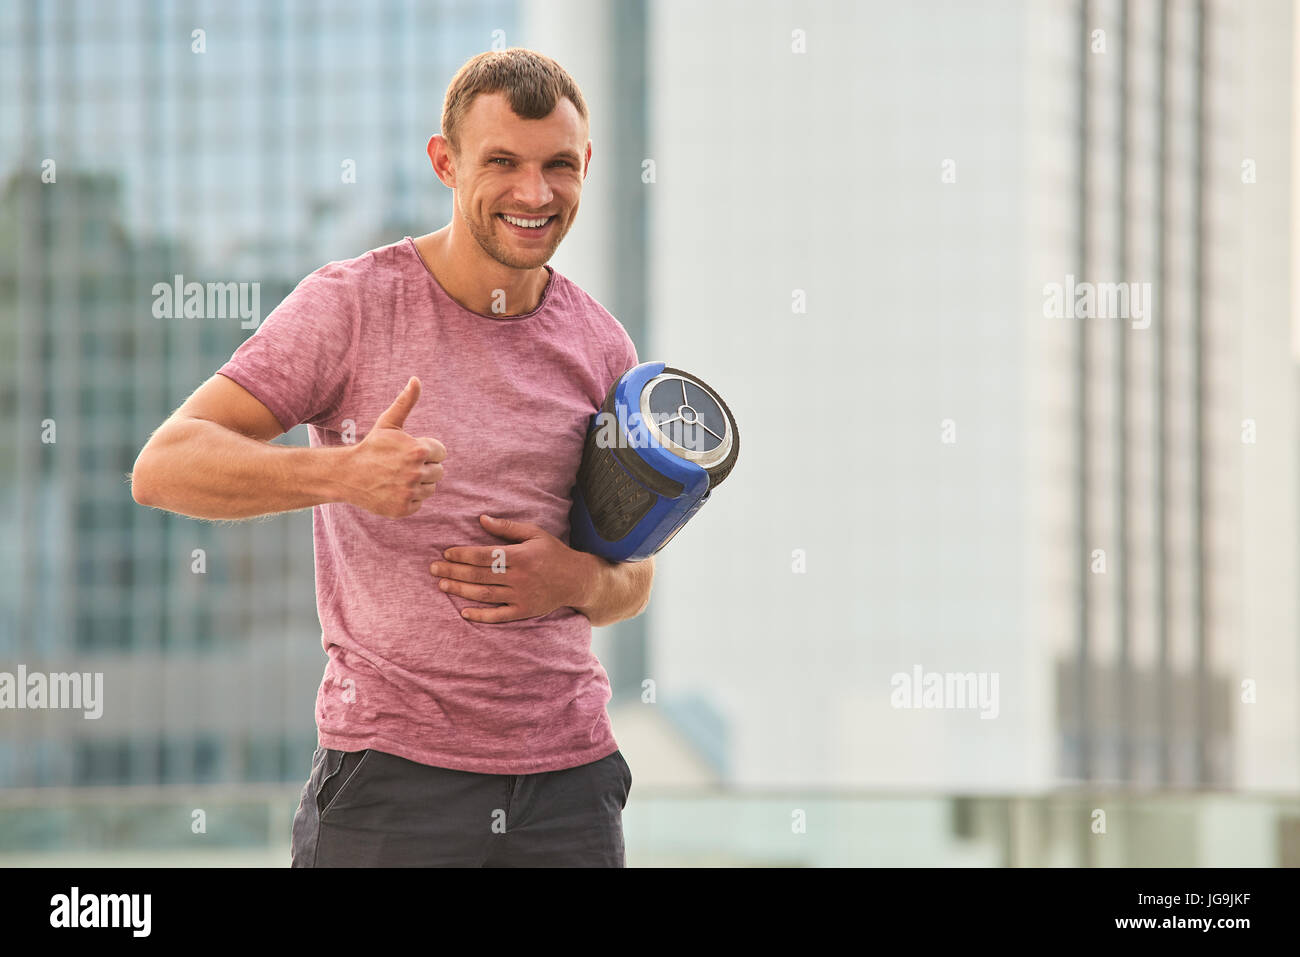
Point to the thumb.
(508, 528)
(394, 417)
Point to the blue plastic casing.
(667, 514)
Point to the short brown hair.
(532, 81)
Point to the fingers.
(407, 468)
(428, 475)
(394, 416)
(510, 529)
(477, 574)
(493, 616)
(434, 451)
(422, 491)
(491, 594)
(474, 554)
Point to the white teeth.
(526, 223)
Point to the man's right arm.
(213, 459)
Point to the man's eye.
(502, 159)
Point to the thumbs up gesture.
(391, 472)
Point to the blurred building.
(855, 212)
(841, 215)
(243, 142)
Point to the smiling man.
(447, 382)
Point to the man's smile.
(529, 227)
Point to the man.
(448, 382)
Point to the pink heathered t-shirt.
(511, 399)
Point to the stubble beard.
(490, 241)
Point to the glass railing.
(250, 826)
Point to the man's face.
(528, 170)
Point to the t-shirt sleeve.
(624, 355)
(298, 363)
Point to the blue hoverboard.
(661, 442)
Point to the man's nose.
(532, 189)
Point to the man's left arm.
(540, 574)
(616, 590)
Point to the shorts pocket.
(627, 776)
(306, 820)
(340, 771)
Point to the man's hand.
(526, 580)
(389, 472)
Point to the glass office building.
(842, 215)
(222, 143)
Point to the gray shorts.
(374, 809)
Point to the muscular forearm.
(204, 470)
(617, 590)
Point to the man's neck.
(478, 282)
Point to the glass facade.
(223, 143)
(842, 215)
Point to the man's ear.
(586, 163)
(440, 155)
